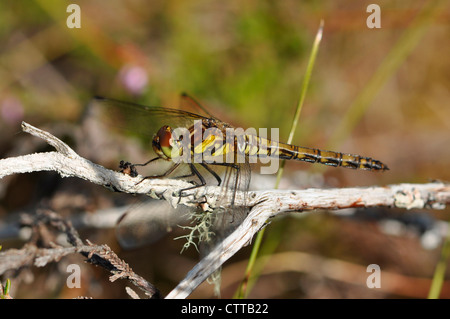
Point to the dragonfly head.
(164, 144)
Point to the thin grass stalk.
(401, 50)
(439, 273)
(252, 272)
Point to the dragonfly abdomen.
(220, 150)
(313, 155)
(336, 159)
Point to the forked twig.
(101, 255)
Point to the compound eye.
(162, 142)
(165, 136)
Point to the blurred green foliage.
(245, 61)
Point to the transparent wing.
(140, 120)
(145, 222)
(148, 221)
(230, 216)
(224, 221)
(190, 102)
(141, 123)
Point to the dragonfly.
(206, 144)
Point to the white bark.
(262, 204)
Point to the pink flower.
(134, 78)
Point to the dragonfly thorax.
(202, 142)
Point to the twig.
(271, 203)
(102, 255)
(263, 205)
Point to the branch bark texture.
(262, 204)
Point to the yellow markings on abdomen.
(255, 146)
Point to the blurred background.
(381, 93)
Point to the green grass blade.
(439, 273)
(252, 271)
(309, 68)
(404, 46)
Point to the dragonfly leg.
(130, 169)
(168, 172)
(219, 180)
(187, 175)
(236, 179)
(148, 162)
(195, 172)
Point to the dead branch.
(101, 255)
(271, 203)
(263, 204)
